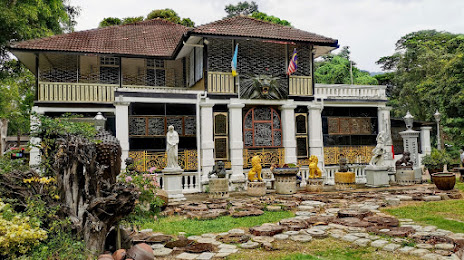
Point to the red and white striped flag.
(293, 65)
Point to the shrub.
(18, 234)
(436, 160)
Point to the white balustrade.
(329, 176)
(343, 91)
(190, 182)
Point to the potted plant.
(436, 160)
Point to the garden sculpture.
(255, 172)
(172, 141)
(379, 151)
(218, 171)
(405, 161)
(343, 164)
(314, 171)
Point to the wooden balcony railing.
(76, 92)
(220, 82)
(300, 86)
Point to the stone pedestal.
(172, 181)
(345, 180)
(314, 185)
(410, 145)
(377, 176)
(257, 188)
(285, 184)
(218, 188)
(405, 176)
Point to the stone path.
(351, 217)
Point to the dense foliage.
(335, 69)
(427, 72)
(166, 14)
(251, 9)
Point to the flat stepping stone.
(391, 247)
(228, 250)
(316, 233)
(349, 238)
(406, 249)
(306, 208)
(205, 256)
(160, 252)
(274, 208)
(281, 237)
(156, 246)
(419, 252)
(250, 245)
(199, 248)
(313, 203)
(424, 246)
(266, 230)
(392, 201)
(221, 246)
(209, 235)
(354, 213)
(444, 246)
(383, 221)
(291, 233)
(187, 256)
(432, 198)
(194, 237)
(301, 238)
(379, 243)
(404, 198)
(262, 239)
(304, 213)
(362, 242)
(432, 256)
(236, 231)
(206, 240)
(361, 235)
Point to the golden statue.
(255, 172)
(314, 171)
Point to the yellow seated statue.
(314, 171)
(255, 172)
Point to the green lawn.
(174, 225)
(447, 214)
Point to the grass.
(176, 224)
(447, 214)
(327, 249)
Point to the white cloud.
(370, 27)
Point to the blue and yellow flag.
(234, 62)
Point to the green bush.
(437, 159)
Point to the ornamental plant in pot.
(436, 161)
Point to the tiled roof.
(250, 27)
(155, 37)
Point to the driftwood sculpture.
(86, 175)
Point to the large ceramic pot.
(444, 180)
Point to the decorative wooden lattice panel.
(157, 125)
(58, 67)
(144, 160)
(350, 125)
(354, 154)
(268, 156)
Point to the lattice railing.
(268, 156)
(146, 159)
(354, 154)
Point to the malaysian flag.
(293, 65)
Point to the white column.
(384, 124)
(236, 140)
(122, 128)
(288, 132)
(426, 146)
(207, 141)
(316, 144)
(34, 159)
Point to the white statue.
(379, 151)
(172, 140)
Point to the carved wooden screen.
(157, 125)
(301, 122)
(221, 140)
(109, 70)
(156, 73)
(349, 125)
(262, 128)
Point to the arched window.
(262, 128)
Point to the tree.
(427, 73)
(110, 21)
(170, 15)
(335, 69)
(242, 8)
(251, 9)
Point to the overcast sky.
(369, 27)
